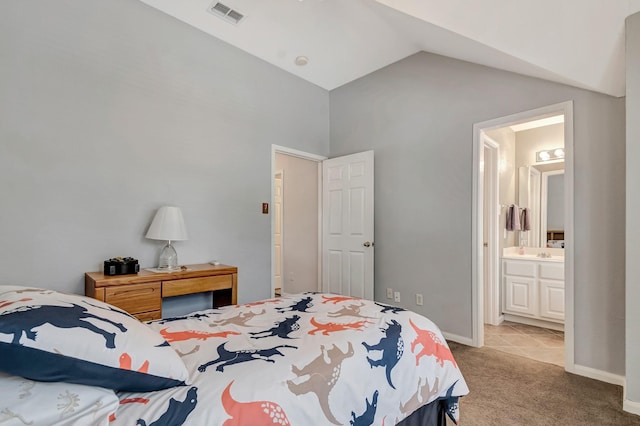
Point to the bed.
(304, 359)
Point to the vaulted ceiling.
(577, 42)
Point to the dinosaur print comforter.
(301, 360)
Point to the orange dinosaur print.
(125, 364)
(336, 299)
(180, 336)
(256, 413)
(332, 327)
(134, 400)
(112, 416)
(431, 345)
(5, 303)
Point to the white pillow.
(25, 402)
(56, 337)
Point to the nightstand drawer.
(135, 298)
(149, 316)
(196, 285)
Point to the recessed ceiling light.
(301, 61)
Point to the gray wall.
(300, 242)
(418, 115)
(110, 109)
(632, 208)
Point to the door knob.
(367, 244)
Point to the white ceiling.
(577, 42)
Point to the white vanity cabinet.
(534, 288)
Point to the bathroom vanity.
(533, 287)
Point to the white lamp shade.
(168, 225)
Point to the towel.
(525, 219)
(513, 218)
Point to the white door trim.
(278, 149)
(565, 108)
(492, 297)
(279, 172)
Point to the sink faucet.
(544, 254)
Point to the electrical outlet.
(419, 300)
(396, 296)
(389, 293)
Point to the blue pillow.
(55, 337)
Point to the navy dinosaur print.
(452, 403)
(387, 308)
(369, 415)
(392, 347)
(194, 316)
(26, 321)
(227, 357)
(300, 306)
(177, 412)
(108, 308)
(282, 329)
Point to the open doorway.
(296, 195)
(328, 219)
(527, 294)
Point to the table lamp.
(168, 225)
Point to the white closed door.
(347, 225)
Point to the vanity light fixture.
(556, 154)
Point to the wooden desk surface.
(99, 279)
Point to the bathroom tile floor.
(541, 344)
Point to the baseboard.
(632, 407)
(533, 321)
(458, 339)
(603, 376)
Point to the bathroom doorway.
(498, 130)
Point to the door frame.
(492, 296)
(477, 284)
(273, 203)
(278, 149)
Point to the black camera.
(121, 266)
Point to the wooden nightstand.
(141, 294)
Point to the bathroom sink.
(531, 253)
(533, 257)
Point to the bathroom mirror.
(552, 208)
(543, 193)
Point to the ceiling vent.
(225, 12)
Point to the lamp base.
(168, 259)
